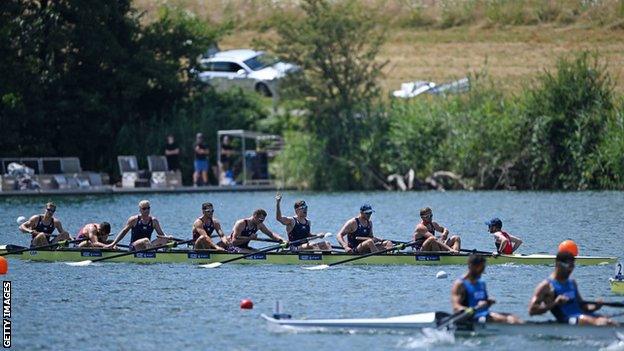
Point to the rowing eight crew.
(355, 236)
(558, 294)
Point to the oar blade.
(211, 265)
(317, 267)
(79, 263)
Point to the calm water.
(142, 307)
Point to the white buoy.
(20, 220)
(441, 275)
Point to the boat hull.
(301, 258)
(617, 286)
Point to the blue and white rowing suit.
(570, 311)
(475, 293)
(360, 231)
(141, 230)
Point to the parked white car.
(246, 69)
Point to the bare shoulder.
(131, 220)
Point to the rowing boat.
(435, 319)
(286, 257)
(617, 286)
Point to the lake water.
(144, 307)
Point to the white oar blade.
(328, 234)
(317, 268)
(211, 265)
(79, 263)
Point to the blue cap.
(496, 222)
(366, 208)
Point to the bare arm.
(28, 226)
(129, 224)
(457, 296)
(59, 226)
(441, 229)
(542, 300)
(198, 228)
(263, 228)
(346, 228)
(237, 230)
(159, 231)
(278, 211)
(175, 151)
(92, 233)
(515, 242)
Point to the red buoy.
(4, 265)
(246, 304)
(569, 246)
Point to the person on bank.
(201, 161)
(359, 234)
(142, 226)
(204, 226)
(95, 235)
(298, 226)
(559, 294)
(424, 235)
(245, 230)
(41, 227)
(470, 292)
(505, 243)
(172, 153)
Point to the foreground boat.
(434, 319)
(286, 257)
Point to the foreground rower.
(505, 243)
(41, 227)
(245, 230)
(298, 227)
(424, 235)
(96, 235)
(359, 233)
(559, 294)
(142, 227)
(470, 292)
(204, 226)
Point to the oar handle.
(605, 303)
(58, 243)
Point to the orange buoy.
(569, 246)
(246, 304)
(4, 265)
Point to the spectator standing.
(172, 152)
(201, 161)
(226, 176)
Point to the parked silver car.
(247, 69)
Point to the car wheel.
(263, 89)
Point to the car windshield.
(259, 62)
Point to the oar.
(459, 317)
(58, 243)
(359, 257)
(337, 247)
(88, 262)
(271, 248)
(609, 304)
(473, 251)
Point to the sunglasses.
(145, 208)
(51, 210)
(260, 219)
(208, 210)
(302, 207)
(566, 265)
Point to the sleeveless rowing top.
(420, 241)
(299, 231)
(208, 227)
(572, 308)
(474, 294)
(248, 231)
(508, 249)
(45, 228)
(142, 230)
(360, 231)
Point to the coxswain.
(95, 235)
(505, 243)
(204, 226)
(559, 294)
(298, 226)
(470, 292)
(41, 227)
(424, 235)
(359, 234)
(245, 230)
(142, 226)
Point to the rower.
(359, 233)
(142, 227)
(41, 227)
(424, 235)
(559, 294)
(245, 230)
(204, 226)
(505, 243)
(470, 292)
(298, 226)
(95, 235)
